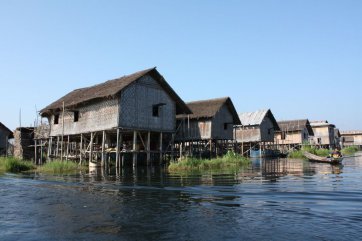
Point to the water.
(269, 200)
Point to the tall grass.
(10, 164)
(60, 167)
(229, 160)
(316, 151)
(350, 150)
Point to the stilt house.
(293, 133)
(256, 131)
(129, 118)
(351, 138)
(324, 134)
(209, 128)
(5, 135)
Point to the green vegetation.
(230, 160)
(58, 166)
(10, 164)
(349, 150)
(298, 154)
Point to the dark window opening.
(283, 135)
(155, 111)
(76, 116)
(225, 126)
(56, 119)
(269, 131)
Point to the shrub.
(10, 164)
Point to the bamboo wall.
(325, 134)
(136, 106)
(222, 117)
(102, 115)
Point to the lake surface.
(269, 200)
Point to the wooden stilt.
(91, 148)
(117, 149)
(35, 152)
(66, 158)
(81, 150)
(161, 149)
(41, 152)
(57, 148)
(148, 149)
(173, 146)
(103, 147)
(134, 149)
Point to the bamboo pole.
(61, 144)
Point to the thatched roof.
(295, 125)
(3, 127)
(256, 118)
(208, 108)
(111, 89)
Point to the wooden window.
(76, 116)
(56, 119)
(155, 111)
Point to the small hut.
(293, 133)
(351, 138)
(324, 134)
(5, 135)
(256, 132)
(209, 129)
(128, 119)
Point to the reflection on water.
(282, 199)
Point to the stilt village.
(139, 119)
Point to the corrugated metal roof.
(351, 132)
(252, 118)
(256, 118)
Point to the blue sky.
(301, 59)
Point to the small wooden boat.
(315, 158)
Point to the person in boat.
(336, 153)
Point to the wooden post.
(148, 149)
(35, 152)
(117, 149)
(210, 147)
(103, 147)
(172, 146)
(50, 145)
(41, 152)
(181, 149)
(161, 154)
(91, 148)
(134, 148)
(57, 148)
(61, 144)
(66, 158)
(81, 149)
(6, 145)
